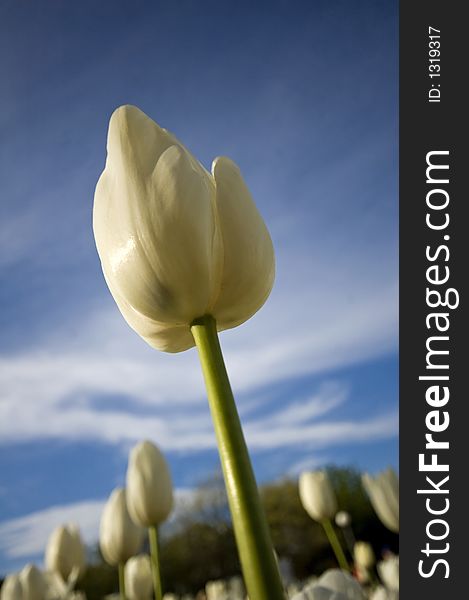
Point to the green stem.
(155, 562)
(335, 544)
(121, 580)
(255, 548)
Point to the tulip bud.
(33, 583)
(65, 552)
(149, 487)
(317, 495)
(11, 588)
(383, 491)
(119, 537)
(381, 593)
(363, 555)
(343, 519)
(216, 590)
(176, 242)
(334, 584)
(388, 571)
(138, 578)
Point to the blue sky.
(303, 96)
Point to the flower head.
(364, 555)
(383, 491)
(119, 537)
(149, 487)
(317, 495)
(11, 588)
(334, 584)
(65, 552)
(388, 571)
(138, 579)
(33, 583)
(176, 242)
(343, 519)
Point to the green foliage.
(98, 581)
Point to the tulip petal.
(167, 338)
(383, 491)
(248, 263)
(154, 222)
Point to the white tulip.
(176, 242)
(383, 491)
(149, 486)
(343, 519)
(388, 571)
(363, 555)
(216, 590)
(33, 584)
(381, 593)
(317, 495)
(65, 552)
(11, 588)
(333, 584)
(119, 537)
(138, 578)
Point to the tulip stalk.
(258, 562)
(120, 569)
(155, 562)
(335, 544)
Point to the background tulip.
(333, 584)
(33, 584)
(343, 519)
(382, 593)
(388, 571)
(138, 579)
(148, 484)
(11, 588)
(65, 552)
(317, 495)
(318, 499)
(383, 491)
(149, 497)
(175, 241)
(119, 537)
(216, 590)
(364, 556)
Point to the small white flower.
(343, 519)
(149, 486)
(33, 583)
(65, 552)
(388, 571)
(119, 537)
(363, 555)
(317, 495)
(138, 578)
(333, 584)
(12, 588)
(383, 491)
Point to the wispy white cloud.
(54, 390)
(25, 537)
